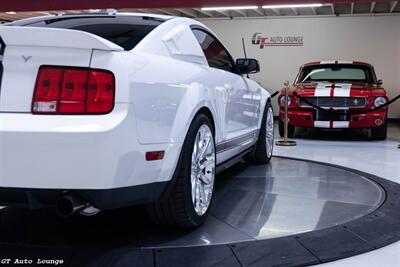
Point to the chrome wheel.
(269, 132)
(203, 170)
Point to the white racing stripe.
(332, 90)
(321, 124)
(336, 62)
(342, 90)
(332, 124)
(340, 124)
(323, 89)
(345, 62)
(328, 62)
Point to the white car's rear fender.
(167, 99)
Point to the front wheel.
(265, 143)
(189, 199)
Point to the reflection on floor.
(354, 135)
(353, 149)
(252, 202)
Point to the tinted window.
(125, 31)
(216, 54)
(336, 73)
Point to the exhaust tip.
(68, 205)
(65, 207)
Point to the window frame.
(355, 66)
(202, 29)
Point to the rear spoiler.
(53, 37)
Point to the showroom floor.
(260, 199)
(381, 158)
(332, 207)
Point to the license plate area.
(321, 115)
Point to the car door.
(239, 114)
(235, 99)
(255, 102)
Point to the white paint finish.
(321, 124)
(372, 39)
(328, 62)
(340, 124)
(342, 90)
(19, 77)
(157, 96)
(323, 89)
(51, 37)
(182, 45)
(335, 124)
(379, 158)
(188, 86)
(345, 62)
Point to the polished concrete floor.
(283, 198)
(354, 150)
(348, 135)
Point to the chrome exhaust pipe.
(69, 205)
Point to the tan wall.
(372, 39)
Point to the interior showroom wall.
(374, 39)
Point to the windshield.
(125, 31)
(336, 73)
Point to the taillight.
(63, 90)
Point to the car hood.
(336, 89)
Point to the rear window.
(125, 31)
(336, 73)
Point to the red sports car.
(348, 88)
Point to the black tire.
(379, 133)
(176, 208)
(260, 154)
(291, 129)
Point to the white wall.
(375, 40)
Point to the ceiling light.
(292, 6)
(11, 12)
(228, 8)
(94, 10)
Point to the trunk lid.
(25, 49)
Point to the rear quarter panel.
(166, 94)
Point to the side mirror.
(247, 65)
(380, 82)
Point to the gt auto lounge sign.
(263, 40)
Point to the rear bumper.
(101, 199)
(305, 118)
(79, 153)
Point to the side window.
(215, 53)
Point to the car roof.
(88, 15)
(330, 62)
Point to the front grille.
(335, 102)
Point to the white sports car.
(101, 111)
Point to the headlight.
(282, 101)
(379, 101)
